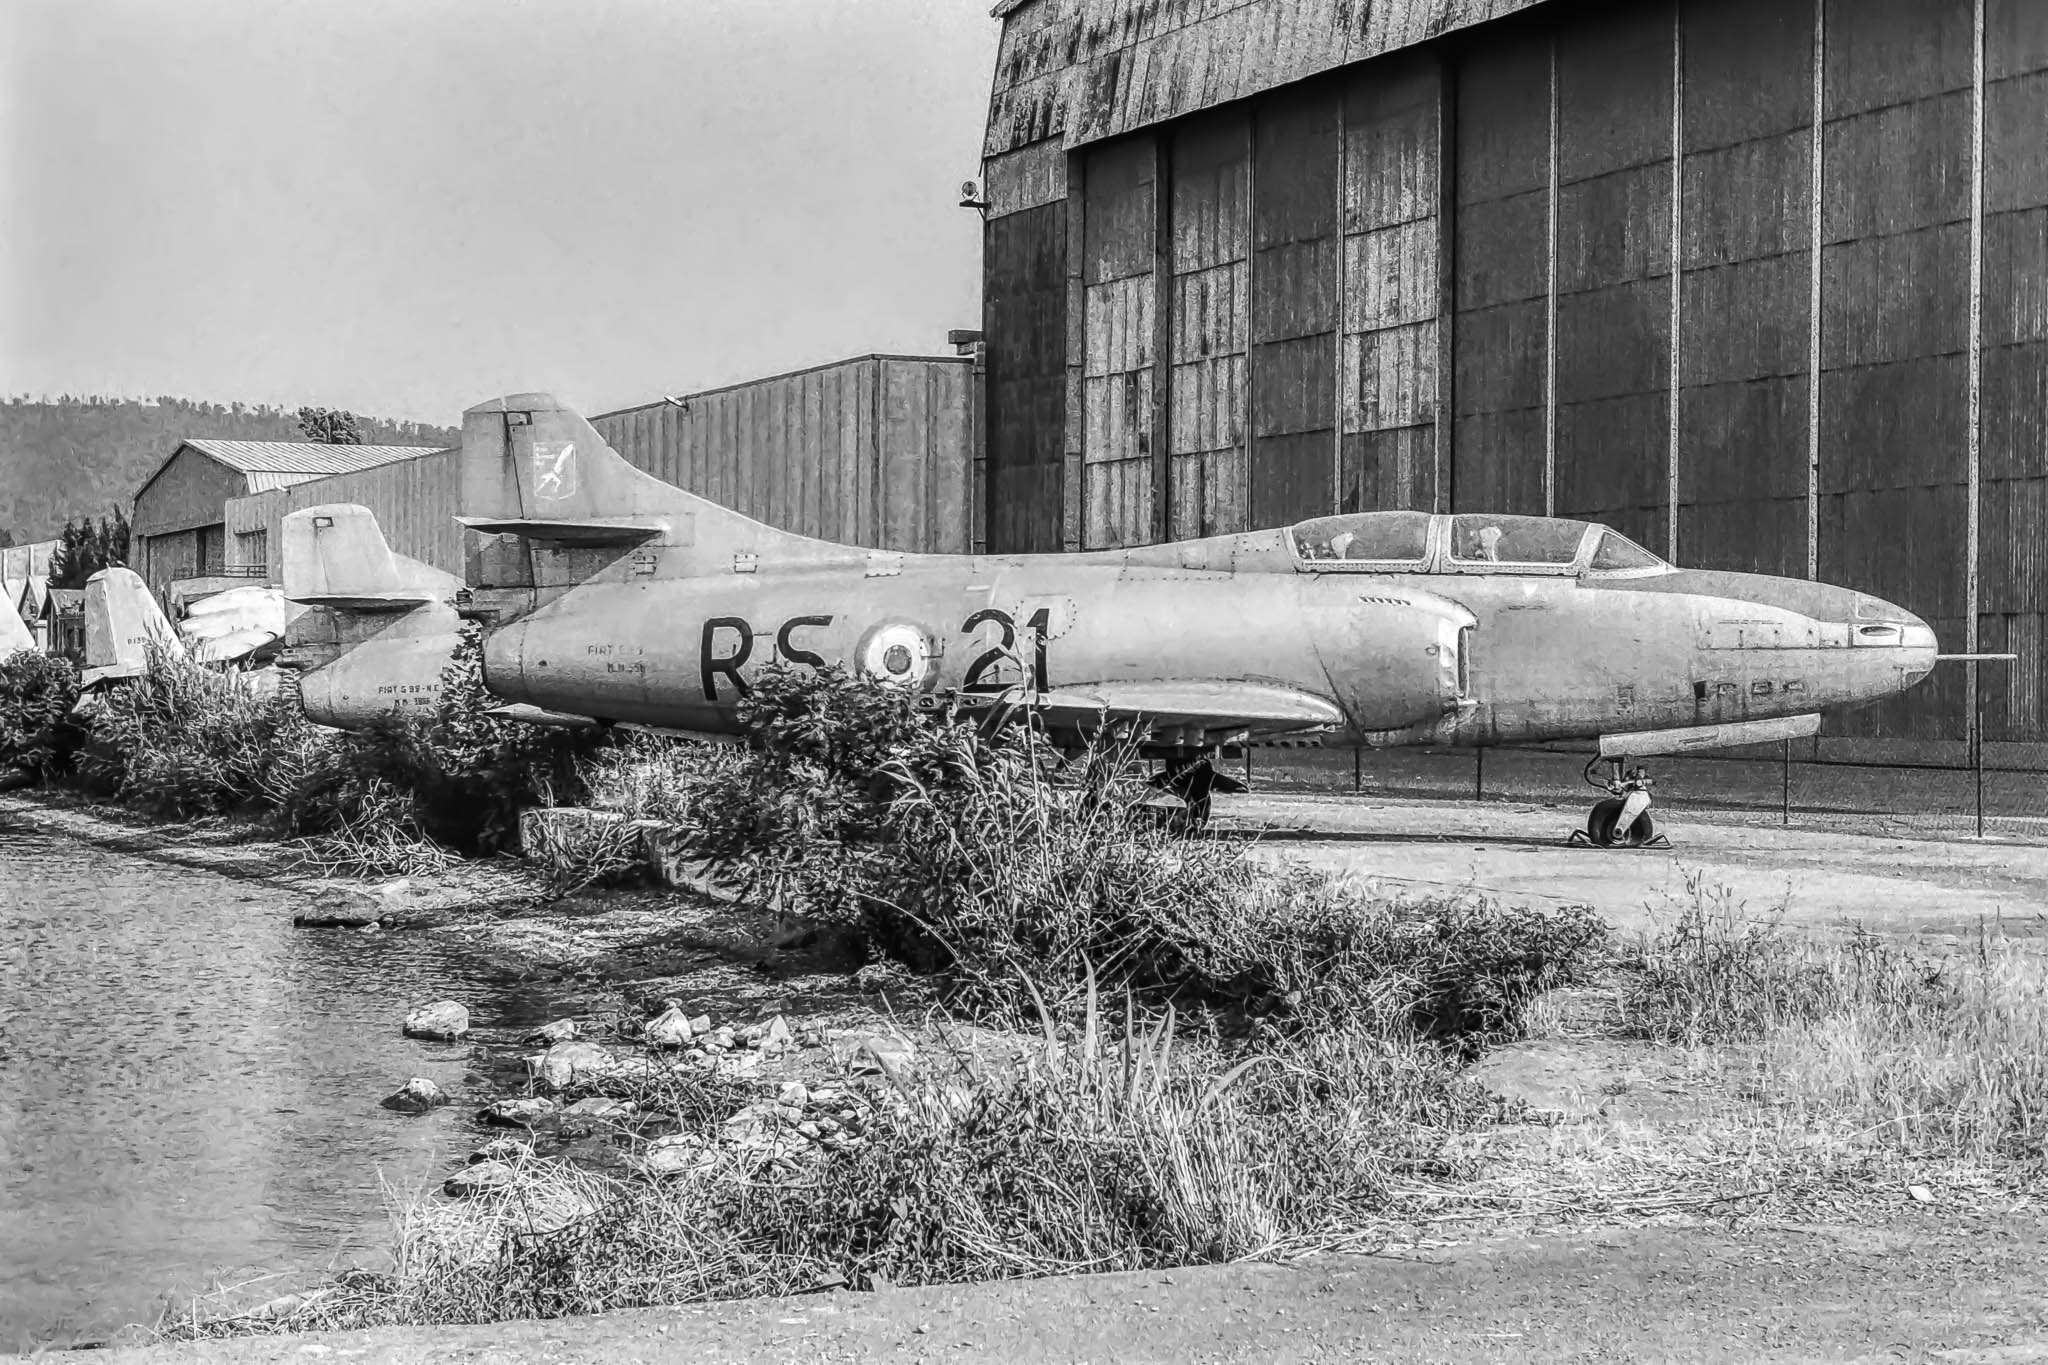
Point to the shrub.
(184, 740)
(999, 859)
(458, 776)
(37, 694)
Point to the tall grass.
(1937, 1055)
(1102, 1150)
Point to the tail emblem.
(554, 470)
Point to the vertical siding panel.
(1387, 393)
(1895, 193)
(1119, 298)
(1500, 189)
(1210, 251)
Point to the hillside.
(69, 457)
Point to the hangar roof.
(1083, 70)
(279, 464)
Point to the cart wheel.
(1643, 831)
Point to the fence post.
(1977, 742)
(1785, 792)
(1479, 774)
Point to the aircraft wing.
(1193, 714)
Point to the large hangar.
(1762, 283)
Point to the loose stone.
(555, 1031)
(676, 1154)
(500, 1149)
(566, 1064)
(416, 1096)
(518, 1113)
(670, 1028)
(481, 1178)
(444, 1021)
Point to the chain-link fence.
(1955, 790)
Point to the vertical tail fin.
(122, 625)
(532, 467)
(336, 556)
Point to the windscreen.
(1481, 539)
(1382, 537)
(1617, 551)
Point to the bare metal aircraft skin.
(613, 595)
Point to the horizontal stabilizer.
(593, 532)
(1696, 738)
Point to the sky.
(405, 207)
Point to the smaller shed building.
(178, 530)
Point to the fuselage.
(1470, 629)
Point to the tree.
(83, 549)
(330, 426)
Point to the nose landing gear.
(1623, 817)
(1193, 780)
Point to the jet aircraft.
(609, 596)
(122, 625)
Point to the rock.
(596, 1107)
(339, 907)
(701, 1025)
(481, 1178)
(810, 1130)
(518, 1113)
(865, 1053)
(287, 1305)
(778, 1037)
(416, 1096)
(552, 1032)
(670, 1028)
(500, 1149)
(793, 1093)
(879, 976)
(571, 1063)
(444, 1021)
(675, 1154)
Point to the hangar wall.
(1763, 284)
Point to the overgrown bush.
(457, 776)
(37, 692)
(184, 740)
(994, 856)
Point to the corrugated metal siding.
(1211, 263)
(1297, 246)
(874, 451)
(1024, 326)
(2013, 503)
(1119, 298)
(415, 502)
(1747, 258)
(1895, 191)
(301, 459)
(1085, 70)
(1501, 228)
(1613, 336)
(1388, 394)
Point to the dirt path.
(1517, 852)
(1925, 1286)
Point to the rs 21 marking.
(727, 644)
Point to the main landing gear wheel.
(1194, 781)
(1622, 819)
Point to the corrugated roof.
(307, 459)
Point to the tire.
(1641, 832)
(1600, 822)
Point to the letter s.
(790, 651)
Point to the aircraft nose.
(1907, 643)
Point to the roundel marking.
(898, 652)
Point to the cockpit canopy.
(1466, 542)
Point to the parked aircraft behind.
(15, 635)
(122, 624)
(611, 595)
(378, 628)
